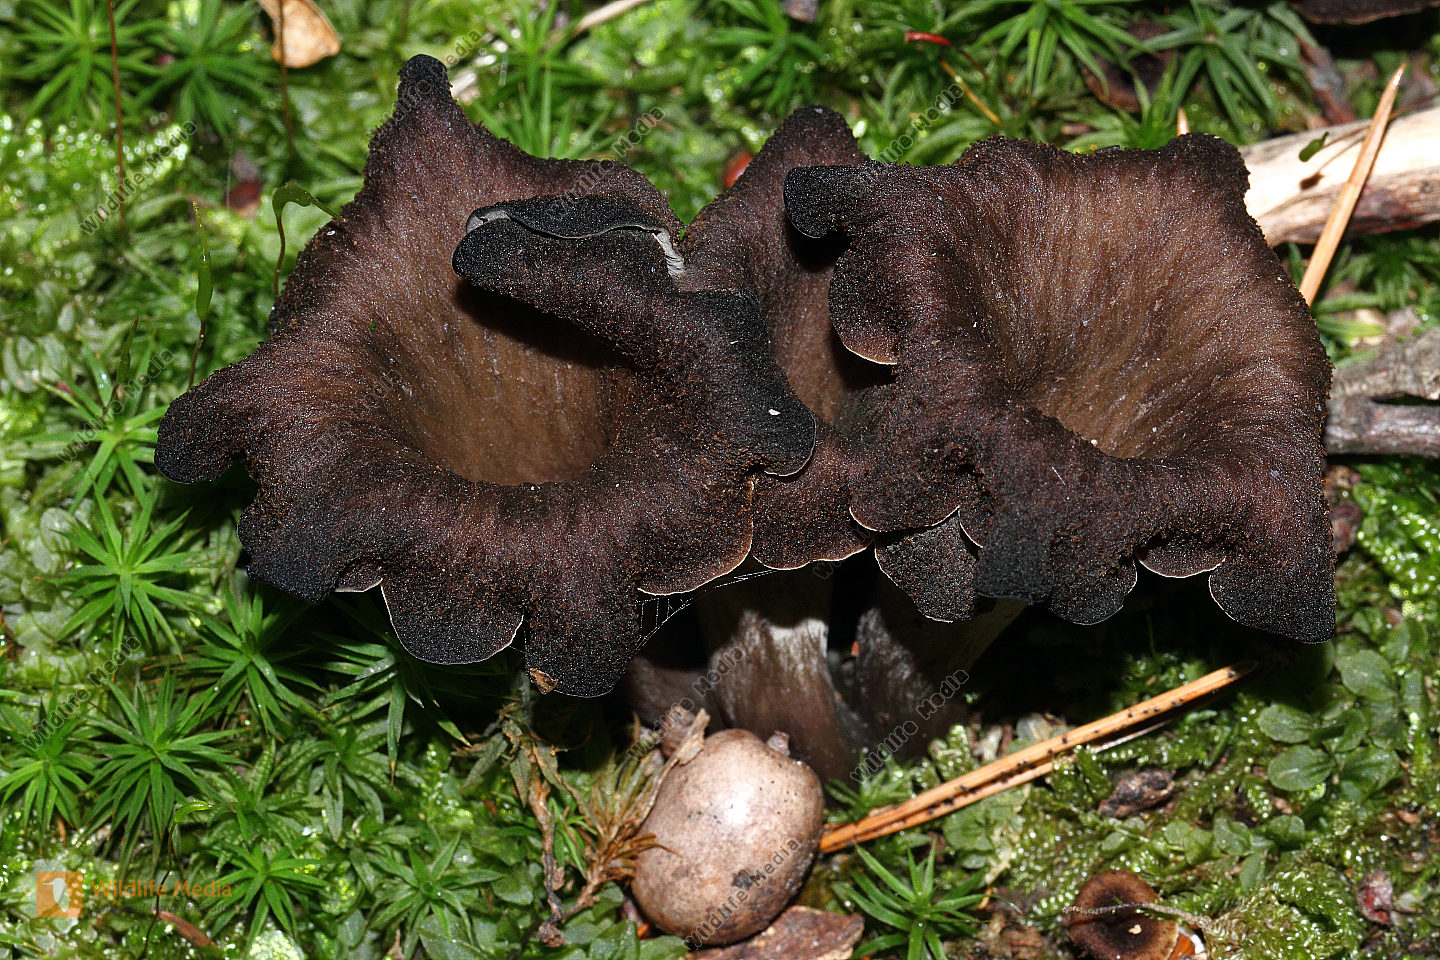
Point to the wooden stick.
(970, 94)
(1345, 204)
(1292, 198)
(184, 927)
(1361, 421)
(1023, 765)
(833, 841)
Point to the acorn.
(736, 829)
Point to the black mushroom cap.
(744, 240)
(1106, 924)
(744, 278)
(1097, 359)
(484, 462)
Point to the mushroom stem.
(910, 669)
(1349, 194)
(768, 639)
(1023, 765)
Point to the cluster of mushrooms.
(512, 391)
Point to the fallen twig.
(1349, 195)
(1021, 766)
(1291, 198)
(602, 14)
(184, 927)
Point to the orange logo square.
(58, 893)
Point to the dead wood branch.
(1363, 417)
(1291, 198)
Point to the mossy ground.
(358, 804)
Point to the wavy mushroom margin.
(482, 462)
(1097, 359)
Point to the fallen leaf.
(309, 37)
(1376, 897)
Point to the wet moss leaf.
(1366, 674)
(1300, 768)
(1232, 839)
(1286, 831)
(204, 288)
(617, 943)
(1285, 724)
(1371, 769)
(663, 948)
(1252, 872)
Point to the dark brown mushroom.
(482, 461)
(1096, 360)
(1108, 924)
(773, 631)
(743, 240)
(770, 639)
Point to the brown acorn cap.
(1119, 934)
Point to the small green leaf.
(1366, 674)
(617, 943)
(1252, 872)
(122, 373)
(663, 948)
(1352, 730)
(1286, 724)
(203, 288)
(1313, 147)
(1287, 830)
(512, 889)
(1300, 768)
(1232, 839)
(1372, 768)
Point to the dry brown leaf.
(309, 37)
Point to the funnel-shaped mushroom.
(743, 240)
(1109, 923)
(483, 462)
(767, 639)
(742, 277)
(1096, 359)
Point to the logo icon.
(58, 893)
